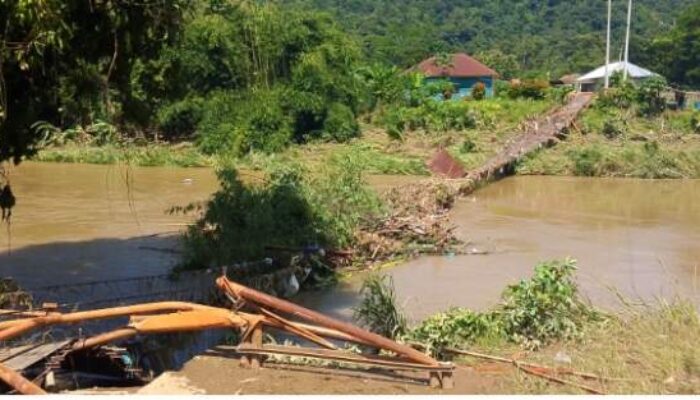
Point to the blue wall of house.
(464, 85)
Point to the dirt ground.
(219, 373)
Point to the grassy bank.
(181, 155)
(495, 122)
(642, 349)
(618, 143)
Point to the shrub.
(180, 118)
(468, 146)
(479, 91)
(586, 161)
(649, 96)
(534, 312)
(529, 89)
(289, 209)
(611, 129)
(545, 307)
(378, 311)
(340, 123)
(695, 122)
(238, 123)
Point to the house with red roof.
(463, 70)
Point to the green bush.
(534, 312)
(545, 307)
(478, 91)
(695, 122)
(649, 96)
(611, 129)
(181, 118)
(340, 123)
(468, 146)
(290, 208)
(586, 161)
(535, 89)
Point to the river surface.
(76, 223)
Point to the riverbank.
(145, 155)
(497, 121)
(644, 350)
(617, 143)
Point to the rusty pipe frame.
(239, 291)
(14, 328)
(18, 382)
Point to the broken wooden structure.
(543, 132)
(262, 312)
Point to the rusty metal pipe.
(187, 321)
(240, 291)
(18, 382)
(11, 329)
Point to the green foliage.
(340, 123)
(468, 146)
(69, 62)
(506, 64)
(586, 161)
(478, 91)
(676, 54)
(180, 118)
(545, 307)
(378, 311)
(611, 129)
(649, 96)
(558, 37)
(535, 89)
(695, 122)
(534, 312)
(289, 208)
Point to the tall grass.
(378, 310)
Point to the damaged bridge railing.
(251, 313)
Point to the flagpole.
(627, 39)
(607, 48)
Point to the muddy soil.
(217, 373)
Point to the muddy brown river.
(76, 223)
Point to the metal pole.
(607, 47)
(627, 39)
(239, 291)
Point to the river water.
(76, 223)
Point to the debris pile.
(417, 222)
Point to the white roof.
(632, 70)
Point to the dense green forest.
(543, 37)
(241, 76)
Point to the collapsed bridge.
(250, 313)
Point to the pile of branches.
(416, 222)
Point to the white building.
(595, 79)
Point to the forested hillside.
(554, 36)
(237, 76)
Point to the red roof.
(462, 66)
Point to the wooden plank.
(9, 352)
(31, 357)
(376, 361)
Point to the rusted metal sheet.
(444, 164)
